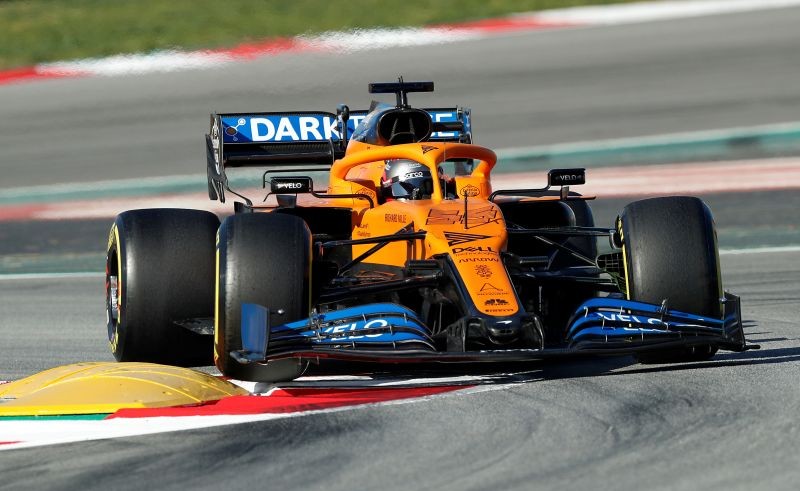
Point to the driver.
(406, 179)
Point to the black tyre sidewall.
(165, 267)
(263, 258)
(671, 253)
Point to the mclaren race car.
(408, 256)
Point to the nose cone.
(505, 330)
(517, 331)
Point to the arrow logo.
(457, 238)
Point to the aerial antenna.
(401, 88)
(402, 95)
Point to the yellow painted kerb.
(95, 388)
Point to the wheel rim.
(113, 299)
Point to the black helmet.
(407, 179)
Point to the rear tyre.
(159, 270)
(262, 258)
(670, 249)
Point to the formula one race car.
(409, 256)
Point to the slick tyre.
(670, 251)
(262, 258)
(159, 270)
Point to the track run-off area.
(602, 424)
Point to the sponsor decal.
(233, 131)
(628, 318)
(499, 311)
(366, 192)
(469, 191)
(472, 249)
(489, 289)
(363, 230)
(444, 117)
(111, 237)
(483, 271)
(495, 301)
(280, 128)
(287, 127)
(291, 184)
(413, 175)
(563, 177)
(458, 238)
(427, 148)
(486, 259)
(343, 331)
(215, 144)
(395, 218)
(475, 216)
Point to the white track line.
(51, 432)
(631, 13)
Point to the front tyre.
(262, 258)
(160, 270)
(670, 250)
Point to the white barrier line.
(49, 276)
(631, 13)
(79, 275)
(758, 250)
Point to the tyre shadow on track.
(484, 374)
(628, 365)
(563, 368)
(747, 358)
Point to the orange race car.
(409, 256)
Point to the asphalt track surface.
(604, 424)
(609, 424)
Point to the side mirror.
(566, 177)
(284, 185)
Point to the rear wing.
(300, 138)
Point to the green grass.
(33, 31)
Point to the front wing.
(390, 333)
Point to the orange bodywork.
(474, 240)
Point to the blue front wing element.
(386, 332)
(613, 322)
(382, 326)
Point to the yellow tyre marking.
(624, 261)
(216, 304)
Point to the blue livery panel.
(309, 127)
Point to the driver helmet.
(407, 179)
